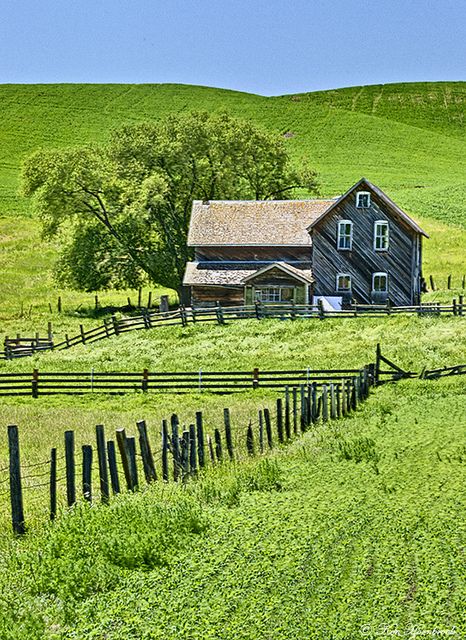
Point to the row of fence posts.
(449, 283)
(184, 451)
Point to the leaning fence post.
(184, 446)
(146, 452)
(131, 444)
(211, 449)
(87, 472)
(112, 465)
(102, 458)
(261, 432)
(70, 468)
(116, 328)
(16, 492)
(123, 447)
(302, 395)
(53, 484)
(145, 380)
(218, 445)
(227, 421)
(200, 439)
(250, 440)
(268, 428)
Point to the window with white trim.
(274, 294)
(345, 235)
(363, 199)
(381, 235)
(380, 282)
(343, 282)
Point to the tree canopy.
(122, 209)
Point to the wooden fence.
(39, 383)
(18, 346)
(178, 455)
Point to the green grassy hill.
(408, 138)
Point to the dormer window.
(345, 235)
(363, 199)
(381, 235)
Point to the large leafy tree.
(122, 209)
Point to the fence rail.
(178, 456)
(39, 383)
(20, 347)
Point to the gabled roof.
(304, 275)
(383, 196)
(236, 274)
(254, 222)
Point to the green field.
(410, 139)
(304, 543)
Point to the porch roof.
(237, 274)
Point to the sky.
(269, 47)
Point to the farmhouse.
(359, 247)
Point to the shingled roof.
(254, 222)
(237, 273)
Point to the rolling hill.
(408, 138)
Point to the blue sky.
(268, 47)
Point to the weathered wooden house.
(359, 247)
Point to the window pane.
(344, 282)
(380, 282)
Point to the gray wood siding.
(208, 296)
(242, 254)
(401, 261)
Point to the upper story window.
(343, 282)
(380, 282)
(363, 199)
(345, 234)
(381, 235)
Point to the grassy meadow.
(354, 530)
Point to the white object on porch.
(329, 303)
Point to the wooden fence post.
(145, 380)
(70, 468)
(287, 413)
(102, 458)
(295, 410)
(219, 313)
(211, 449)
(116, 328)
(255, 378)
(146, 452)
(333, 405)
(59, 304)
(261, 432)
(338, 399)
(123, 448)
(200, 439)
(461, 305)
(257, 306)
(280, 420)
(53, 484)
(16, 492)
(149, 300)
(268, 428)
(131, 444)
(378, 354)
(324, 403)
(302, 393)
(314, 409)
(218, 445)
(192, 450)
(432, 283)
(112, 465)
(83, 334)
(175, 447)
(165, 450)
(250, 441)
(35, 383)
(87, 472)
(449, 282)
(184, 446)
(227, 422)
